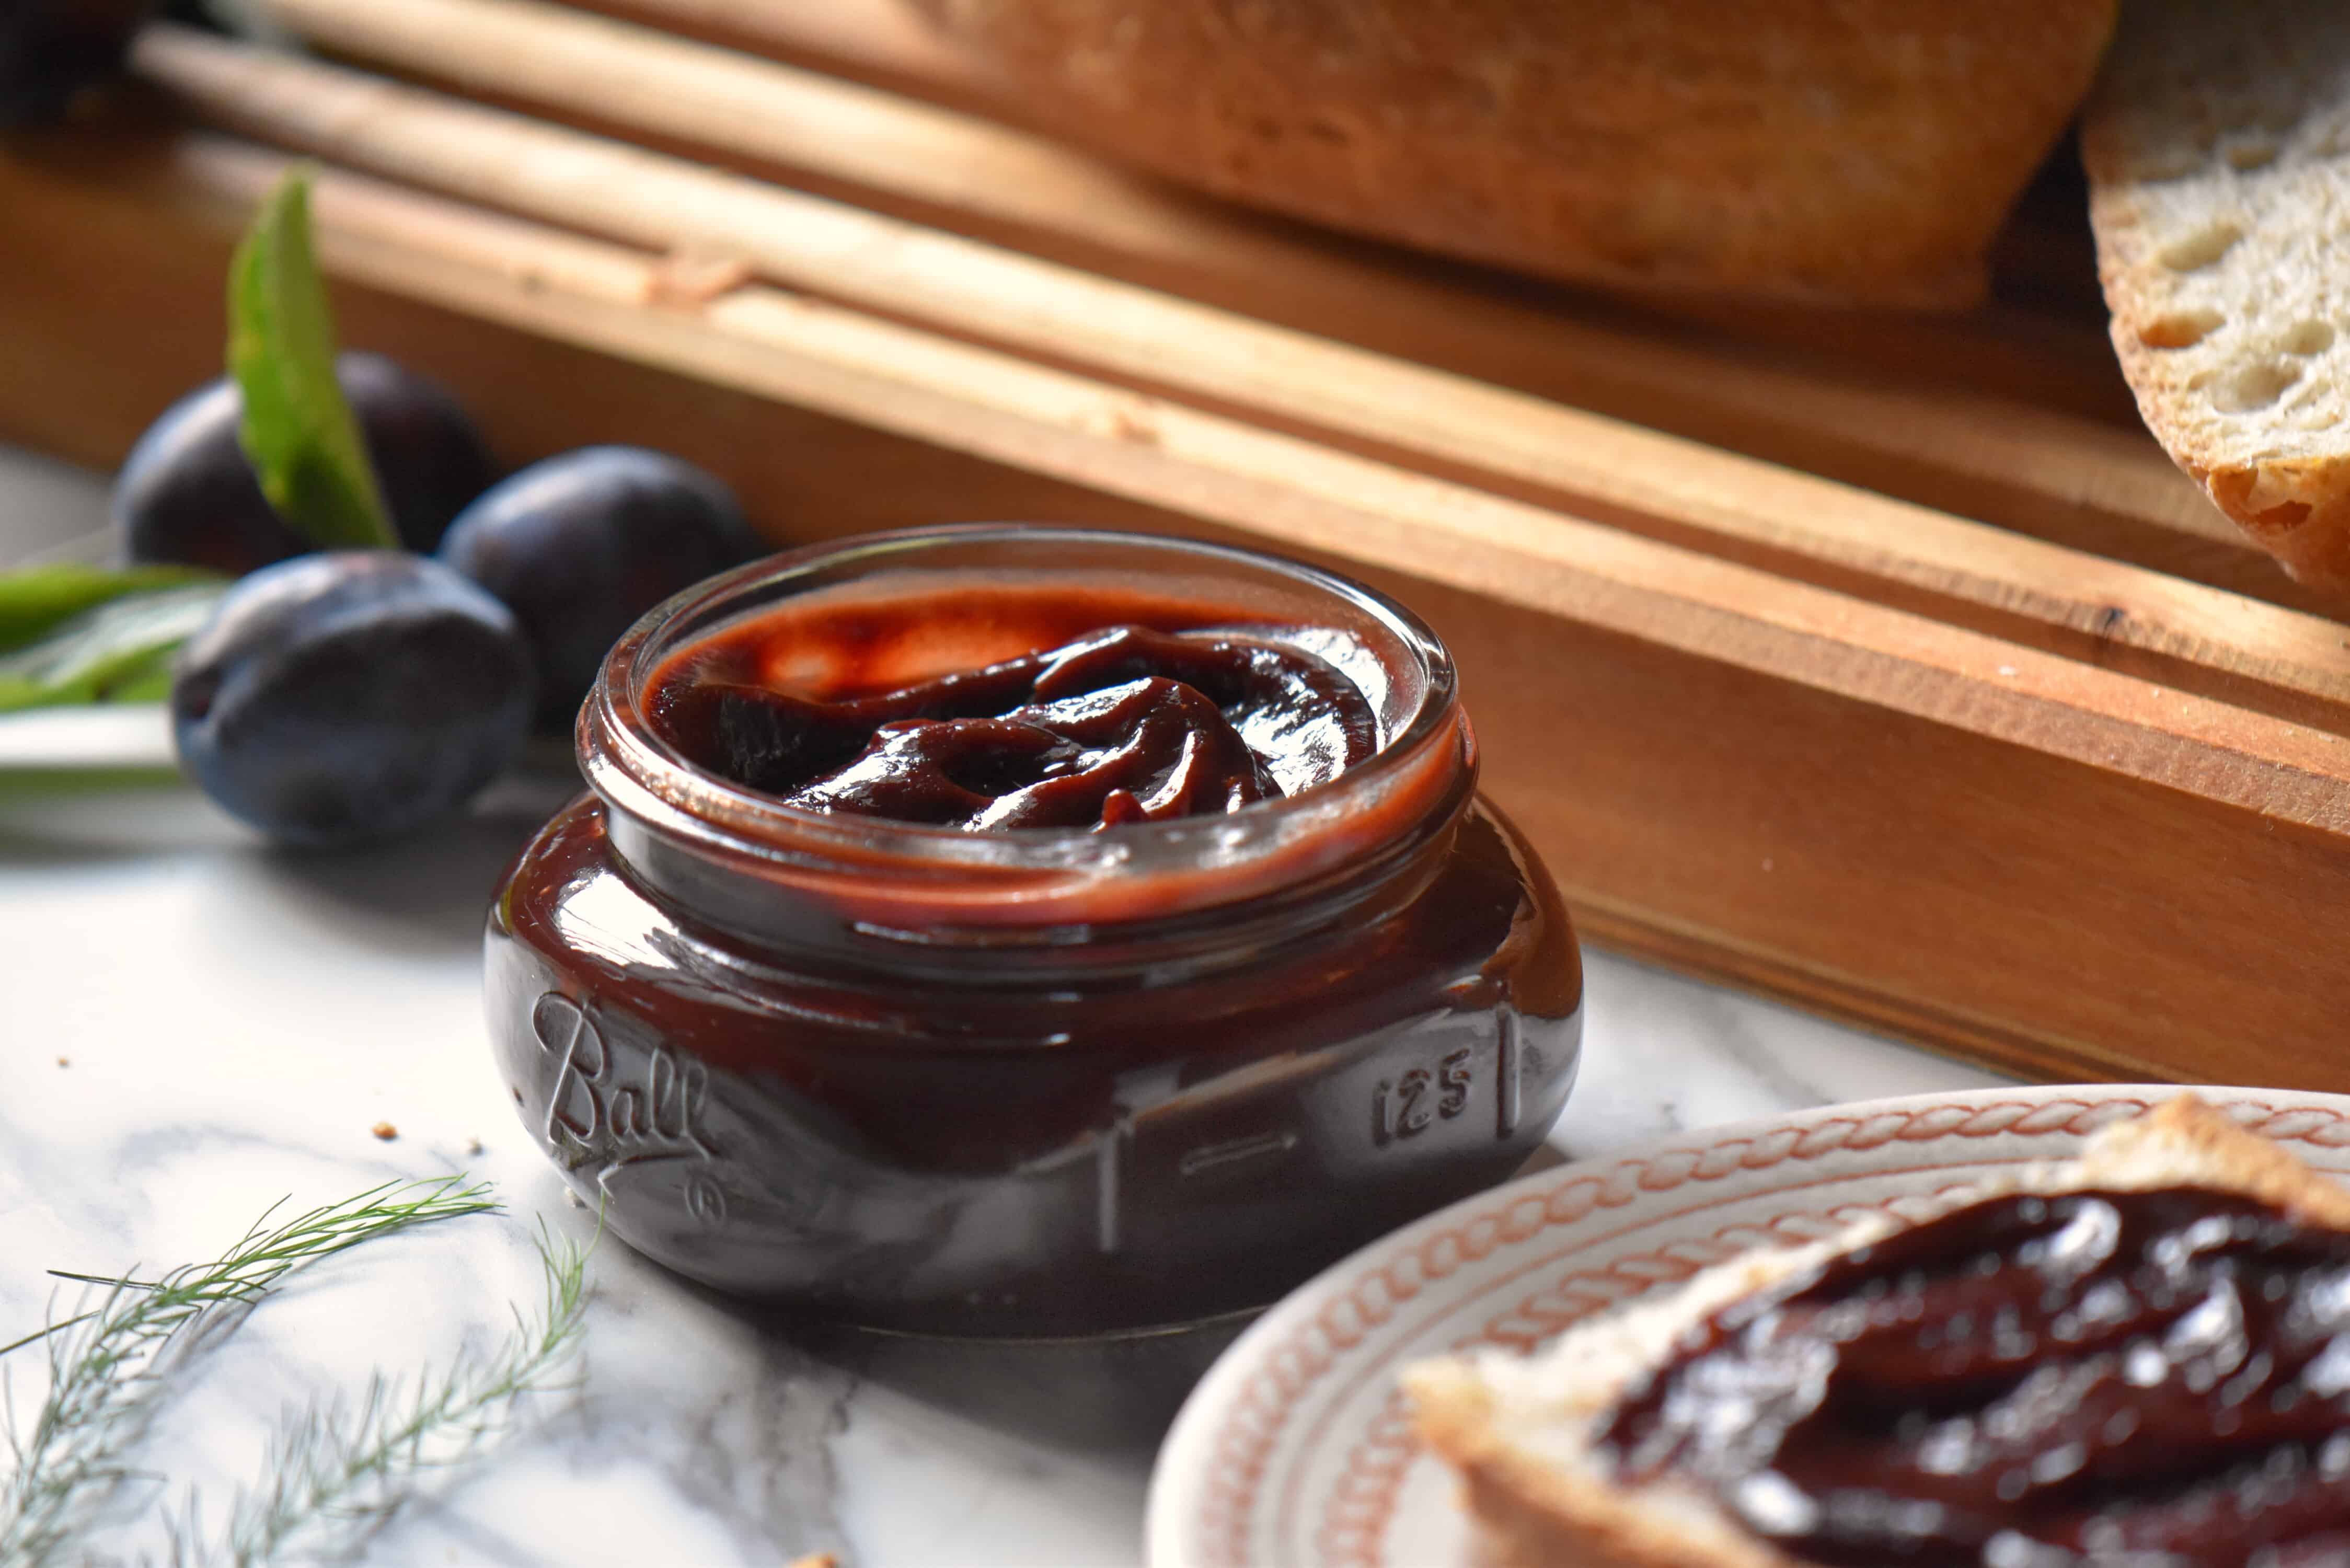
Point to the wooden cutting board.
(1878, 663)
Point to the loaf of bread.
(1822, 150)
(1523, 1431)
(2218, 148)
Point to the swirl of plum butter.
(2123, 1379)
(1124, 724)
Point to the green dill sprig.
(333, 1473)
(106, 1365)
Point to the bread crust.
(1539, 1515)
(1517, 1431)
(2214, 143)
(1835, 152)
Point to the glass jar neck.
(829, 906)
(848, 888)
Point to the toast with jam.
(2140, 1356)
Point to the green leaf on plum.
(298, 430)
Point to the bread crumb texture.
(1845, 151)
(2218, 147)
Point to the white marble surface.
(193, 1026)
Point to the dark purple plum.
(427, 455)
(52, 49)
(186, 493)
(579, 546)
(351, 695)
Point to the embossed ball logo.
(609, 1111)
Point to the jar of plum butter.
(1026, 931)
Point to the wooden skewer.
(878, 140)
(2198, 638)
(2071, 480)
(869, 39)
(1305, 497)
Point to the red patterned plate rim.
(1239, 1436)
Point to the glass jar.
(1042, 1082)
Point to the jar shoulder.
(1488, 927)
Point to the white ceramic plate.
(1294, 1451)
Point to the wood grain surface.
(1933, 769)
(1635, 478)
(1916, 407)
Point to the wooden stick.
(1296, 493)
(872, 39)
(655, 82)
(2076, 480)
(2198, 638)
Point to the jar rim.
(640, 773)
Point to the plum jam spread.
(1028, 932)
(1126, 724)
(2140, 1379)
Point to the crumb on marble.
(385, 1131)
(65, 1060)
(578, 1202)
(816, 1560)
(473, 1146)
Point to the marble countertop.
(194, 1026)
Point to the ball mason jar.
(1042, 1082)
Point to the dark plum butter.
(1027, 931)
(1127, 724)
(2102, 1379)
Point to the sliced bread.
(1520, 1430)
(1835, 152)
(2218, 148)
